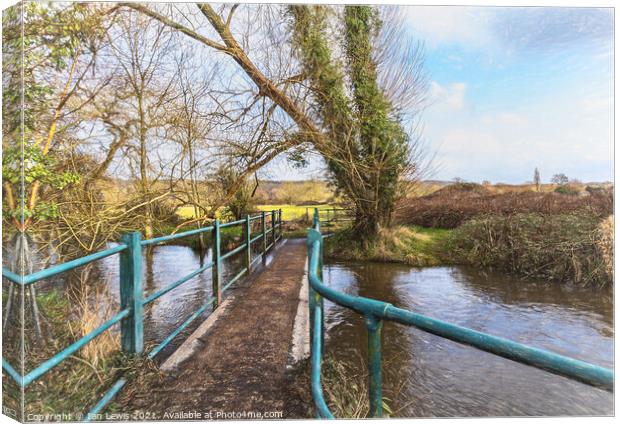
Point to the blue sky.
(512, 88)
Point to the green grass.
(289, 212)
(294, 212)
(412, 245)
(187, 212)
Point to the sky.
(511, 89)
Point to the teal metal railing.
(132, 300)
(375, 312)
(331, 215)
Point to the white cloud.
(597, 104)
(452, 95)
(554, 135)
(446, 24)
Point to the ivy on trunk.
(367, 148)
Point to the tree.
(48, 52)
(537, 179)
(560, 179)
(48, 60)
(380, 147)
(368, 147)
(142, 54)
(242, 202)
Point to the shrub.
(453, 205)
(565, 247)
(566, 189)
(605, 244)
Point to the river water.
(163, 265)
(425, 375)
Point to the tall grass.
(93, 310)
(566, 247)
(344, 384)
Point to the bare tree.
(310, 129)
(142, 55)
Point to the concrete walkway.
(238, 358)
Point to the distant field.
(289, 212)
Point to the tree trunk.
(148, 209)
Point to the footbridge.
(235, 361)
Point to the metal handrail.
(57, 269)
(133, 300)
(376, 311)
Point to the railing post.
(217, 274)
(132, 327)
(248, 247)
(273, 227)
(315, 218)
(312, 298)
(263, 229)
(319, 297)
(374, 366)
(279, 224)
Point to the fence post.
(279, 224)
(273, 227)
(132, 327)
(312, 234)
(320, 298)
(217, 275)
(248, 247)
(263, 229)
(374, 366)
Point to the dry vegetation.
(451, 206)
(605, 245)
(547, 234)
(563, 247)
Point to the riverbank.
(76, 384)
(566, 248)
(411, 245)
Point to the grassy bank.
(76, 384)
(564, 248)
(410, 245)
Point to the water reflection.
(428, 376)
(161, 266)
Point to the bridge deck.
(240, 362)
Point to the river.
(426, 376)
